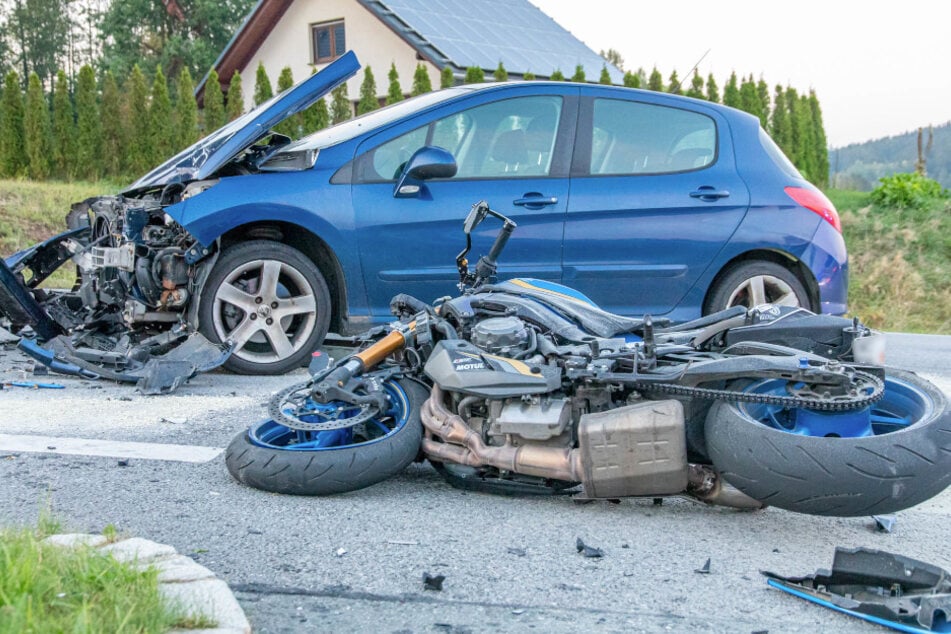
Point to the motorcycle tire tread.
(328, 472)
(843, 477)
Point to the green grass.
(45, 588)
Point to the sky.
(879, 68)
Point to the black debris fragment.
(705, 568)
(588, 551)
(658, 501)
(433, 582)
(884, 523)
(518, 552)
(254, 531)
(123, 463)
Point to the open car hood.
(205, 157)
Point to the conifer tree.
(632, 80)
(340, 108)
(138, 155)
(656, 81)
(235, 106)
(368, 100)
(749, 98)
(36, 127)
(578, 77)
(187, 110)
(731, 93)
(214, 111)
(713, 91)
(262, 86)
(779, 121)
(795, 128)
(291, 125)
(13, 159)
(316, 117)
(605, 76)
(807, 138)
(696, 86)
(161, 131)
(88, 124)
(474, 75)
(500, 73)
(557, 75)
(421, 82)
(528, 76)
(762, 90)
(114, 135)
(447, 78)
(285, 80)
(64, 129)
(395, 91)
(674, 85)
(820, 142)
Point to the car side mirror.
(425, 163)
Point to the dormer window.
(329, 41)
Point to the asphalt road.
(356, 561)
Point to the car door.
(512, 148)
(654, 196)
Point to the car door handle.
(709, 193)
(535, 200)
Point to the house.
(308, 34)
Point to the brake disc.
(294, 408)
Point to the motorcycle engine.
(504, 336)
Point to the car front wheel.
(271, 301)
(754, 283)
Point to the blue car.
(646, 202)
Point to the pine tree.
(557, 75)
(161, 131)
(731, 93)
(187, 110)
(474, 75)
(262, 86)
(214, 112)
(528, 76)
(656, 81)
(713, 91)
(368, 100)
(36, 127)
(235, 107)
(632, 80)
(762, 90)
(578, 77)
(605, 76)
(12, 161)
(807, 150)
(395, 91)
(421, 82)
(291, 125)
(795, 128)
(88, 125)
(114, 134)
(779, 121)
(749, 98)
(820, 142)
(316, 117)
(285, 80)
(447, 78)
(64, 129)
(138, 155)
(340, 108)
(500, 73)
(674, 84)
(696, 86)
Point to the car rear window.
(777, 156)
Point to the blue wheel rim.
(903, 405)
(273, 435)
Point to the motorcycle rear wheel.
(272, 457)
(886, 458)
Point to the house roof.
(455, 33)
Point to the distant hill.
(860, 165)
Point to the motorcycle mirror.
(476, 215)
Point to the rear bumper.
(828, 260)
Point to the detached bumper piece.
(897, 592)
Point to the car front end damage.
(131, 314)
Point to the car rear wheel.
(754, 283)
(271, 301)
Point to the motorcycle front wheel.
(276, 458)
(881, 459)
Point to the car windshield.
(371, 120)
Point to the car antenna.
(680, 81)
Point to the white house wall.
(376, 46)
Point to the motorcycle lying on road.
(527, 387)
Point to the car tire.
(271, 300)
(756, 282)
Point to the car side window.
(510, 138)
(630, 137)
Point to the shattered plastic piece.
(433, 582)
(705, 568)
(518, 552)
(340, 552)
(588, 551)
(880, 587)
(885, 523)
(123, 463)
